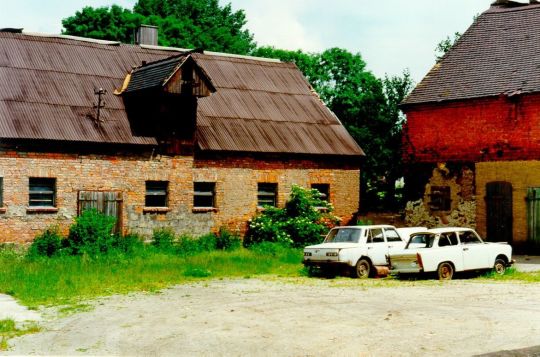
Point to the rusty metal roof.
(47, 92)
(498, 55)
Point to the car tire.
(499, 267)
(445, 271)
(363, 269)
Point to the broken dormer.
(161, 101)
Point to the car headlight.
(332, 254)
(307, 254)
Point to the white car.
(449, 250)
(361, 249)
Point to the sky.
(391, 35)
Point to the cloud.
(278, 23)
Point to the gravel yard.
(299, 317)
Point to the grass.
(9, 329)
(67, 280)
(512, 274)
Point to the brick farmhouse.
(159, 137)
(473, 126)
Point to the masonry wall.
(522, 175)
(491, 129)
(236, 189)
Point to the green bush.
(46, 244)
(92, 233)
(190, 246)
(130, 243)
(163, 239)
(225, 240)
(303, 220)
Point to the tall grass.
(67, 279)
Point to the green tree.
(445, 45)
(367, 107)
(182, 23)
(104, 23)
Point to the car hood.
(332, 246)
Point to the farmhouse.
(159, 137)
(473, 127)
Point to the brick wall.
(236, 189)
(492, 129)
(522, 175)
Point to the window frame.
(156, 191)
(262, 191)
(204, 192)
(440, 198)
(44, 182)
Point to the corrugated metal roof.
(499, 54)
(47, 92)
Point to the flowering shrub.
(305, 218)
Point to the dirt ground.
(299, 317)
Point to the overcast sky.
(391, 35)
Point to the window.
(324, 189)
(469, 237)
(204, 194)
(375, 235)
(266, 194)
(156, 194)
(392, 235)
(1, 192)
(447, 239)
(42, 192)
(440, 198)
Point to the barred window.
(266, 194)
(42, 192)
(204, 194)
(156, 194)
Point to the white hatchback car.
(449, 250)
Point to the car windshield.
(343, 235)
(423, 240)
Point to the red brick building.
(473, 126)
(159, 137)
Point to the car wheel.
(499, 267)
(362, 269)
(445, 271)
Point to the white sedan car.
(449, 250)
(360, 249)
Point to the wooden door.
(106, 202)
(533, 216)
(499, 220)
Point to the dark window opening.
(324, 189)
(156, 194)
(440, 198)
(204, 194)
(42, 192)
(267, 194)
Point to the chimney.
(146, 35)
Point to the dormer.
(161, 100)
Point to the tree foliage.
(182, 23)
(366, 105)
(445, 45)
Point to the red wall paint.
(490, 129)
